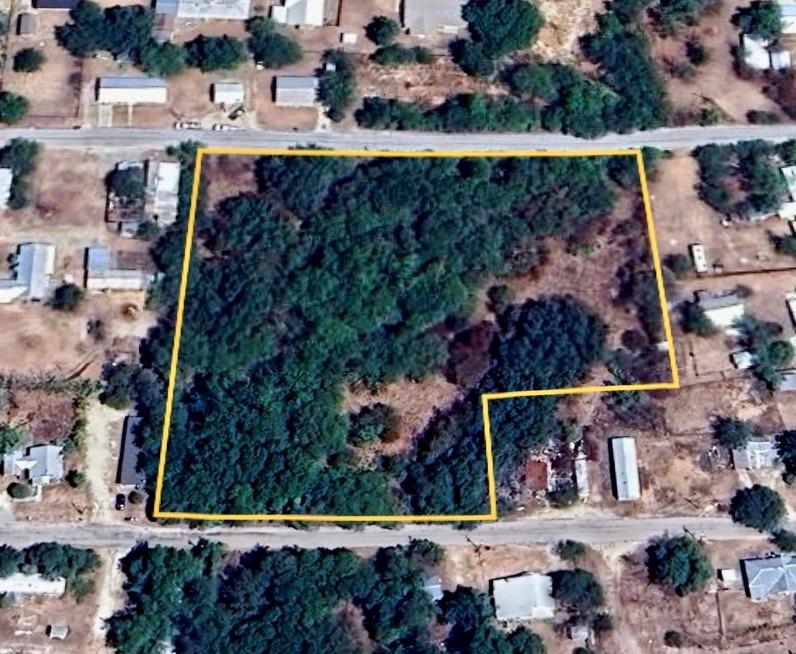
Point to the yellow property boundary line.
(485, 399)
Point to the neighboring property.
(723, 309)
(699, 257)
(39, 464)
(19, 583)
(26, 24)
(787, 380)
(788, 209)
(105, 274)
(295, 90)
(757, 454)
(769, 575)
(214, 9)
(423, 18)
(162, 190)
(227, 93)
(742, 359)
(300, 13)
(32, 272)
(6, 180)
(787, 14)
(127, 474)
(62, 5)
(624, 469)
(131, 89)
(527, 596)
(433, 587)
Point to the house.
(769, 575)
(6, 180)
(699, 257)
(756, 455)
(624, 467)
(39, 464)
(742, 359)
(724, 309)
(127, 474)
(300, 13)
(582, 475)
(423, 18)
(527, 596)
(227, 93)
(787, 380)
(755, 52)
(162, 190)
(213, 9)
(58, 631)
(787, 15)
(63, 5)
(165, 20)
(32, 272)
(103, 274)
(33, 584)
(296, 90)
(131, 89)
(26, 24)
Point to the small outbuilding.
(26, 24)
(756, 455)
(424, 18)
(128, 473)
(58, 631)
(227, 93)
(6, 180)
(62, 5)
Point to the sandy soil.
(109, 598)
(104, 426)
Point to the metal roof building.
(624, 466)
(527, 596)
(757, 454)
(755, 52)
(58, 631)
(787, 15)
(128, 474)
(102, 274)
(296, 90)
(424, 18)
(214, 9)
(35, 584)
(300, 12)
(227, 93)
(724, 310)
(33, 271)
(787, 380)
(769, 575)
(26, 24)
(162, 189)
(132, 89)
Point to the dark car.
(121, 502)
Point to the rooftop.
(625, 468)
(300, 12)
(421, 17)
(766, 576)
(527, 596)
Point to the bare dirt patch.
(47, 417)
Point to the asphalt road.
(592, 530)
(138, 138)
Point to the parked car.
(121, 502)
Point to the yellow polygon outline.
(492, 515)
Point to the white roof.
(6, 179)
(742, 359)
(103, 275)
(755, 52)
(723, 309)
(296, 90)
(789, 173)
(699, 256)
(300, 12)
(34, 268)
(625, 468)
(228, 92)
(215, 9)
(34, 584)
(770, 575)
(527, 596)
(163, 187)
(132, 89)
(425, 18)
(780, 59)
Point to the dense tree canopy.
(760, 19)
(502, 26)
(733, 433)
(269, 48)
(679, 563)
(28, 60)
(337, 83)
(13, 107)
(758, 507)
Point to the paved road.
(137, 138)
(593, 530)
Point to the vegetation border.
(674, 383)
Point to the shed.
(132, 89)
(58, 631)
(128, 473)
(26, 24)
(34, 584)
(769, 575)
(780, 59)
(102, 273)
(300, 12)
(527, 596)
(787, 380)
(227, 93)
(758, 454)
(742, 359)
(424, 18)
(624, 465)
(699, 257)
(296, 90)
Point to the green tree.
(673, 638)
(10, 559)
(127, 184)
(337, 83)
(578, 589)
(13, 107)
(10, 439)
(679, 264)
(694, 320)
(163, 59)
(679, 563)
(19, 491)
(758, 507)
(502, 26)
(29, 60)
(570, 550)
(210, 53)
(382, 30)
(760, 19)
(269, 48)
(67, 297)
(785, 540)
(732, 433)
(75, 478)
(472, 58)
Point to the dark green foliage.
(760, 19)
(785, 540)
(673, 638)
(10, 560)
(337, 88)
(785, 245)
(20, 491)
(127, 184)
(694, 320)
(578, 590)
(696, 52)
(679, 563)
(787, 151)
(125, 381)
(570, 550)
(502, 26)
(786, 447)
(66, 297)
(397, 55)
(215, 52)
(670, 16)
(29, 60)
(375, 421)
(472, 58)
(56, 560)
(124, 31)
(268, 47)
(758, 507)
(770, 353)
(500, 297)
(20, 156)
(679, 264)
(382, 30)
(13, 107)
(162, 59)
(532, 80)
(761, 117)
(733, 433)
(10, 438)
(75, 478)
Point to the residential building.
(62, 5)
(296, 90)
(213, 9)
(104, 274)
(756, 455)
(162, 190)
(227, 93)
(527, 596)
(423, 18)
(127, 474)
(32, 273)
(624, 468)
(769, 575)
(755, 52)
(699, 257)
(787, 14)
(300, 13)
(39, 464)
(724, 309)
(131, 89)
(780, 58)
(18, 583)
(26, 24)
(6, 180)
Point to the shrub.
(29, 60)
(785, 540)
(679, 563)
(336, 88)
(472, 58)
(733, 433)
(578, 589)
(10, 439)
(210, 53)
(382, 30)
(673, 638)
(127, 184)
(75, 478)
(376, 421)
(136, 497)
(19, 491)
(269, 48)
(760, 19)
(760, 117)
(679, 264)
(694, 320)
(13, 107)
(758, 507)
(396, 55)
(570, 550)
(67, 297)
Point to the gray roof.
(433, 587)
(526, 596)
(710, 301)
(787, 380)
(26, 24)
(41, 464)
(296, 90)
(168, 7)
(756, 455)
(769, 575)
(625, 468)
(128, 473)
(98, 259)
(424, 17)
(131, 81)
(34, 267)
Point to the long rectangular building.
(624, 464)
(132, 89)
